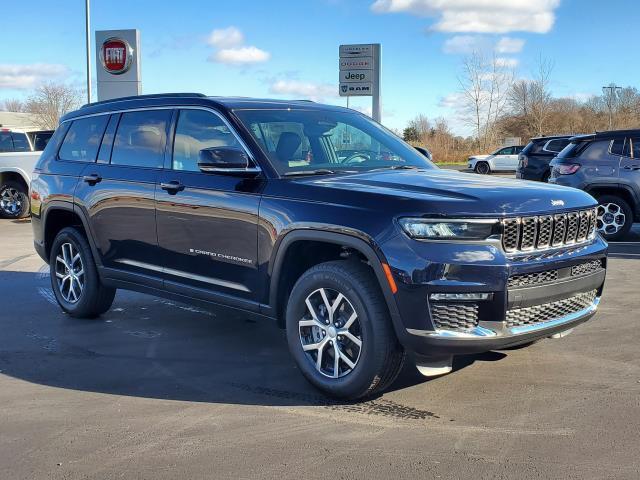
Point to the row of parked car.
(604, 164)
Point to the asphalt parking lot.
(156, 389)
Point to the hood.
(450, 193)
(478, 157)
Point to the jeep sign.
(359, 73)
(349, 76)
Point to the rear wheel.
(74, 277)
(339, 331)
(615, 217)
(482, 168)
(14, 200)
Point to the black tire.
(381, 356)
(14, 200)
(606, 200)
(482, 168)
(95, 298)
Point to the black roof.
(177, 99)
(550, 137)
(606, 135)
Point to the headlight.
(448, 229)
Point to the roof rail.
(140, 97)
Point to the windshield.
(326, 141)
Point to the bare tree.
(12, 105)
(484, 86)
(540, 95)
(51, 101)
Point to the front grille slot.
(547, 312)
(454, 316)
(535, 278)
(586, 268)
(527, 234)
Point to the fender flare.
(57, 205)
(356, 240)
(621, 186)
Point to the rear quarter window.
(83, 139)
(141, 139)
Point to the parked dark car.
(534, 160)
(607, 166)
(218, 201)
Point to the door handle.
(172, 187)
(631, 167)
(92, 179)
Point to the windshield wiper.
(404, 167)
(319, 171)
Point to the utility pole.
(88, 41)
(610, 96)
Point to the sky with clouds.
(289, 48)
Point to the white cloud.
(240, 56)
(301, 89)
(509, 45)
(480, 16)
(226, 37)
(507, 62)
(22, 77)
(464, 44)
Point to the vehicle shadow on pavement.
(154, 348)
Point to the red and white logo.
(116, 55)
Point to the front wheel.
(14, 200)
(482, 168)
(339, 331)
(615, 217)
(74, 277)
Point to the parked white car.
(19, 153)
(504, 159)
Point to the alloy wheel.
(69, 273)
(11, 201)
(482, 168)
(610, 219)
(330, 333)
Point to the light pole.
(88, 40)
(610, 95)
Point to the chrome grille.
(550, 311)
(452, 316)
(534, 278)
(586, 268)
(526, 234)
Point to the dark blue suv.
(247, 205)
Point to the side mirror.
(225, 160)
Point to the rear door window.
(635, 147)
(141, 139)
(20, 142)
(83, 139)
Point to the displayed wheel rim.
(11, 201)
(69, 273)
(330, 333)
(482, 168)
(610, 219)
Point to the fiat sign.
(116, 55)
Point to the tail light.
(523, 160)
(566, 168)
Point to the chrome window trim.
(247, 150)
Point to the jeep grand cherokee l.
(361, 259)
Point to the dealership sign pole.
(118, 63)
(88, 39)
(359, 70)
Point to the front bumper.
(443, 343)
(423, 268)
